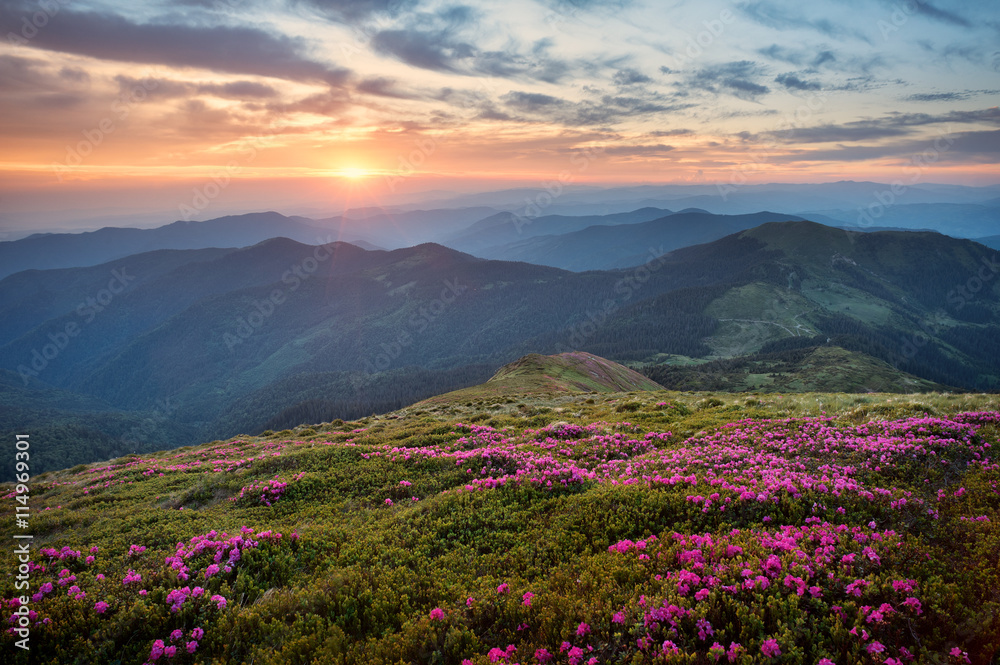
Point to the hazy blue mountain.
(607, 247)
(508, 227)
(66, 250)
(394, 229)
(719, 198)
(959, 220)
(390, 230)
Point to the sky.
(186, 108)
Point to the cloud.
(30, 83)
(782, 18)
(351, 11)
(59, 100)
(984, 143)
(602, 110)
(952, 96)
(239, 90)
(74, 74)
(893, 125)
(977, 146)
(531, 102)
(381, 86)
(331, 102)
(961, 51)
(509, 64)
(640, 150)
(426, 50)
(170, 88)
(626, 77)
(793, 82)
(809, 58)
(235, 50)
(670, 132)
(734, 78)
(926, 9)
(842, 133)
(490, 112)
(21, 73)
(434, 41)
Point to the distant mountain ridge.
(508, 227)
(990, 241)
(72, 250)
(605, 247)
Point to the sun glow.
(354, 173)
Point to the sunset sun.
(354, 173)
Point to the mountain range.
(367, 228)
(606, 247)
(205, 343)
(534, 224)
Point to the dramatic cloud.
(230, 49)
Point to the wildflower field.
(624, 528)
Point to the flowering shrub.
(266, 492)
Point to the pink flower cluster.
(269, 490)
(223, 550)
(162, 649)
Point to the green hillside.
(807, 369)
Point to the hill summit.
(571, 372)
(575, 371)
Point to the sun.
(354, 173)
